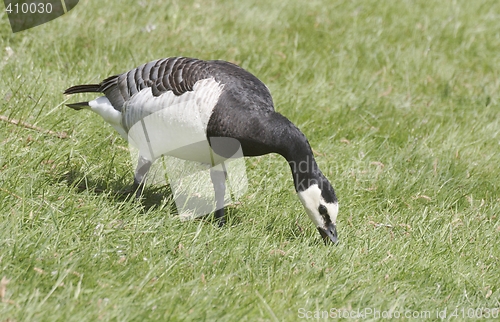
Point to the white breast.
(172, 125)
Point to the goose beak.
(329, 234)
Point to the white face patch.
(311, 199)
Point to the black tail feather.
(78, 106)
(88, 88)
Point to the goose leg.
(219, 181)
(143, 166)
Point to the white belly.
(172, 125)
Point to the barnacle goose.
(201, 100)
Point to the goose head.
(320, 203)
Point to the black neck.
(277, 134)
(265, 132)
(292, 144)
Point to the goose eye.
(322, 210)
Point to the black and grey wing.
(176, 74)
(179, 75)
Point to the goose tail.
(78, 106)
(88, 88)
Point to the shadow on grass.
(119, 191)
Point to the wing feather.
(179, 75)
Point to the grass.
(399, 99)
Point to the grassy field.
(399, 99)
